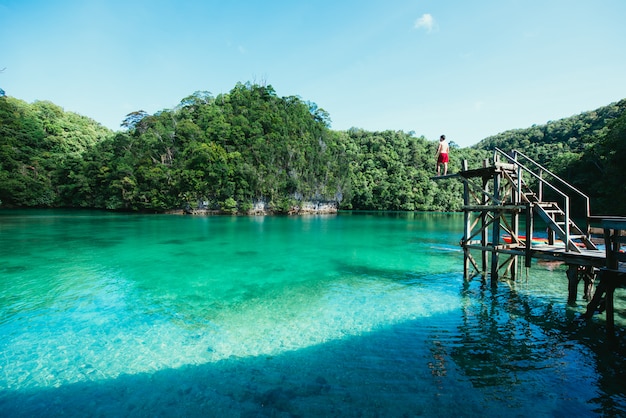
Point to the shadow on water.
(505, 353)
(396, 275)
(505, 333)
(384, 373)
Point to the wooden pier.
(506, 200)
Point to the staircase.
(555, 214)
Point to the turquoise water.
(351, 315)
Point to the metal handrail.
(581, 194)
(565, 197)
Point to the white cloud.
(426, 21)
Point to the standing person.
(442, 155)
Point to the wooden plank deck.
(594, 258)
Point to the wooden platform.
(594, 258)
(511, 190)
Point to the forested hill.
(38, 143)
(247, 146)
(587, 150)
(226, 152)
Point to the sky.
(466, 69)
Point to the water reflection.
(509, 338)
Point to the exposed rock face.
(305, 208)
(262, 208)
(315, 208)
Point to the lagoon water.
(349, 315)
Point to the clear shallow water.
(348, 315)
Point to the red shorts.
(443, 158)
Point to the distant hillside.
(564, 135)
(249, 146)
(587, 150)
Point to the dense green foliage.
(226, 152)
(247, 146)
(393, 170)
(585, 150)
(37, 143)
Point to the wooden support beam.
(447, 176)
(572, 283)
(515, 216)
(609, 280)
(495, 236)
(610, 307)
(484, 223)
(528, 258)
(467, 257)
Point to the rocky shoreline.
(262, 209)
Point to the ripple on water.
(141, 329)
(114, 334)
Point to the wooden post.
(528, 257)
(612, 241)
(515, 226)
(589, 278)
(516, 191)
(597, 296)
(572, 282)
(467, 224)
(495, 237)
(484, 237)
(610, 248)
(610, 292)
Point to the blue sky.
(468, 69)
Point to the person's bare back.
(442, 155)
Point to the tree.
(133, 119)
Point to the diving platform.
(515, 208)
